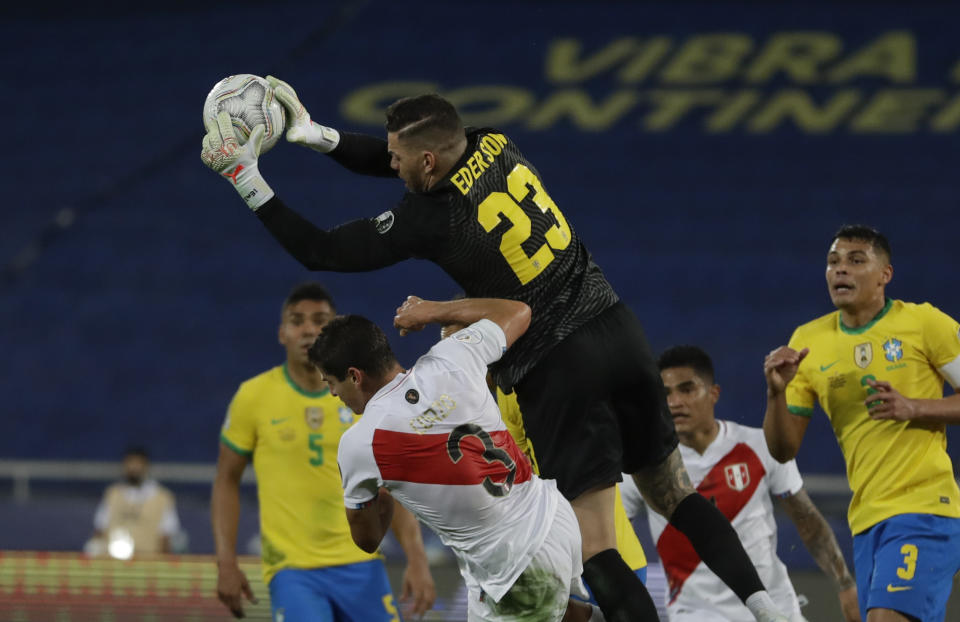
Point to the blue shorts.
(906, 563)
(640, 572)
(351, 593)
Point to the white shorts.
(542, 590)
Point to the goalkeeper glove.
(300, 129)
(223, 153)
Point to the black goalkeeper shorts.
(595, 406)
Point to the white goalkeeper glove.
(300, 129)
(222, 153)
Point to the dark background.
(138, 291)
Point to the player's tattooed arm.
(665, 485)
(822, 544)
(818, 538)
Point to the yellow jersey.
(292, 436)
(894, 467)
(627, 543)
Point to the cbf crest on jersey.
(738, 476)
(893, 349)
(863, 355)
(314, 416)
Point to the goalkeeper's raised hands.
(223, 153)
(300, 128)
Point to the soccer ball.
(250, 102)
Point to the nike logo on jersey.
(898, 588)
(826, 367)
(276, 421)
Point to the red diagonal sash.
(729, 485)
(424, 458)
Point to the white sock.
(762, 607)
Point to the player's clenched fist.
(412, 315)
(780, 366)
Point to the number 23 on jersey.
(507, 205)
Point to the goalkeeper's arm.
(359, 153)
(363, 154)
(355, 246)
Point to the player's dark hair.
(429, 118)
(352, 341)
(137, 450)
(687, 356)
(864, 233)
(309, 290)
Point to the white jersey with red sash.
(434, 438)
(738, 474)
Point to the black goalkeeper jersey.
(490, 225)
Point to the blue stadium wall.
(704, 151)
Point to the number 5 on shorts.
(390, 607)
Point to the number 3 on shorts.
(909, 562)
(501, 205)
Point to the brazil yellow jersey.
(292, 436)
(627, 543)
(894, 467)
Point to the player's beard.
(420, 183)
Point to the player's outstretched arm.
(418, 586)
(359, 153)
(369, 524)
(355, 246)
(783, 430)
(822, 544)
(512, 316)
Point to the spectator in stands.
(137, 516)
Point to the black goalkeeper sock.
(619, 592)
(717, 544)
